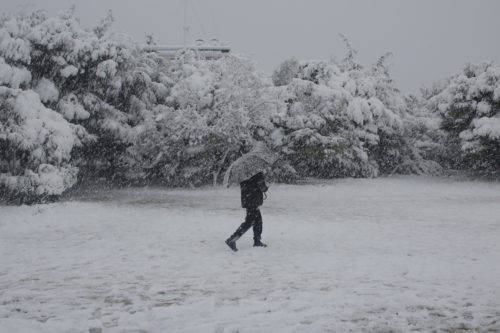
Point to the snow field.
(383, 255)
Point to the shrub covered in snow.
(469, 107)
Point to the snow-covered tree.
(100, 83)
(214, 110)
(423, 140)
(105, 83)
(469, 107)
(35, 147)
(285, 72)
(35, 141)
(343, 120)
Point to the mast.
(185, 27)
(212, 49)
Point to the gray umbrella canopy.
(258, 160)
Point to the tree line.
(80, 105)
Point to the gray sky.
(430, 39)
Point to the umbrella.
(248, 165)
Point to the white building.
(212, 49)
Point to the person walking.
(252, 197)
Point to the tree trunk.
(219, 169)
(13, 163)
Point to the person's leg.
(231, 241)
(257, 228)
(257, 225)
(241, 230)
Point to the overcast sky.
(430, 39)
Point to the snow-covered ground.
(382, 255)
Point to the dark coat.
(252, 191)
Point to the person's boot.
(231, 243)
(258, 243)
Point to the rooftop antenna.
(185, 28)
(206, 49)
